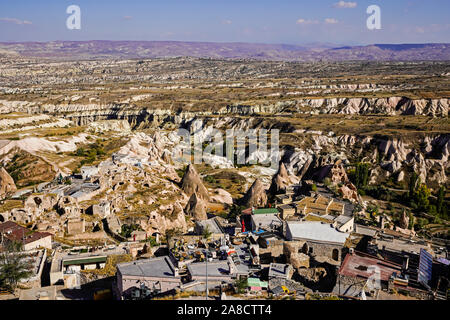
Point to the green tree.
(13, 267)
(241, 285)
(414, 181)
(411, 221)
(235, 211)
(80, 152)
(362, 175)
(127, 229)
(422, 196)
(206, 233)
(440, 200)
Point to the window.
(305, 248)
(335, 254)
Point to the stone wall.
(333, 252)
(45, 242)
(127, 283)
(75, 227)
(275, 249)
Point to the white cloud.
(15, 21)
(345, 5)
(128, 17)
(303, 21)
(227, 22)
(331, 21)
(420, 30)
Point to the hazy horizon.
(318, 44)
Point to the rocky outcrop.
(386, 106)
(85, 114)
(256, 196)
(37, 204)
(110, 125)
(173, 219)
(293, 256)
(404, 220)
(196, 208)
(349, 192)
(191, 183)
(312, 275)
(68, 207)
(315, 156)
(280, 181)
(222, 196)
(337, 173)
(7, 185)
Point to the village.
(296, 240)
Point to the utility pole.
(206, 256)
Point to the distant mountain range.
(162, 49)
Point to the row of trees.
(419, 198)
(361, 175)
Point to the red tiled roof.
(358, 265)
(14, 232)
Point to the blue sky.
(261, 21)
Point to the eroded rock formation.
(7, 185)
(256, 196)
(191, 183)
(196, 208)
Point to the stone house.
(319, 239)
(10, 231)
(287, 211)
(102, 209)
(157, 274)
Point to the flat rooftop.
(160, 267)
(365, 230)
(260, 211)
(278, 270)
(85, 260)
(289, 206)
(400, 244)
(342, 219)
(316, 231)
(266, 220)
(215, 269)
(266, 211)
(212, 225)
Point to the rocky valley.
(91, 150)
